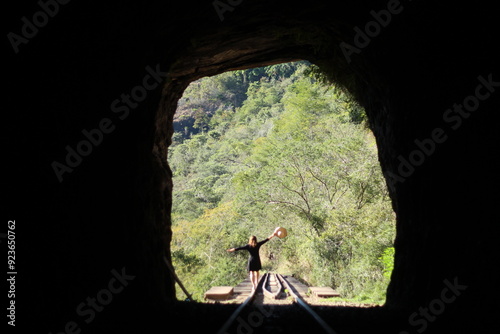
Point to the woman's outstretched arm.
(275, 233)
(237, 248)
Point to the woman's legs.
(252, 280)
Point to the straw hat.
(281, 232)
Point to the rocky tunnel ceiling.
(426, 73)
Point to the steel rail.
(240, 308)
(304, 305)
(267, 292)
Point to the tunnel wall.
(108, 211)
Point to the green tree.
(277, 146)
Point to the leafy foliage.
(271, 147)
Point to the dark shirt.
(254, 259)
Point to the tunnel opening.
(427, 254)
(240, 50)
(278, 145)
(415, 77)
(349, 310)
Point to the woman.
(254, 264)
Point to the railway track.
(275, 287)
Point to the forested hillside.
(269, 147)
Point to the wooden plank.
(301, 288)
(245, 287)
(323, 292)
(219, 292)
(242, 289)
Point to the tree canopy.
(274, 146)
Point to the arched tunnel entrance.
(275, 146)
(426, 74)
(411, 142)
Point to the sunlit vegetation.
(274, 146)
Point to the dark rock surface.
(91, 97)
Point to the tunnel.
(92, 91)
